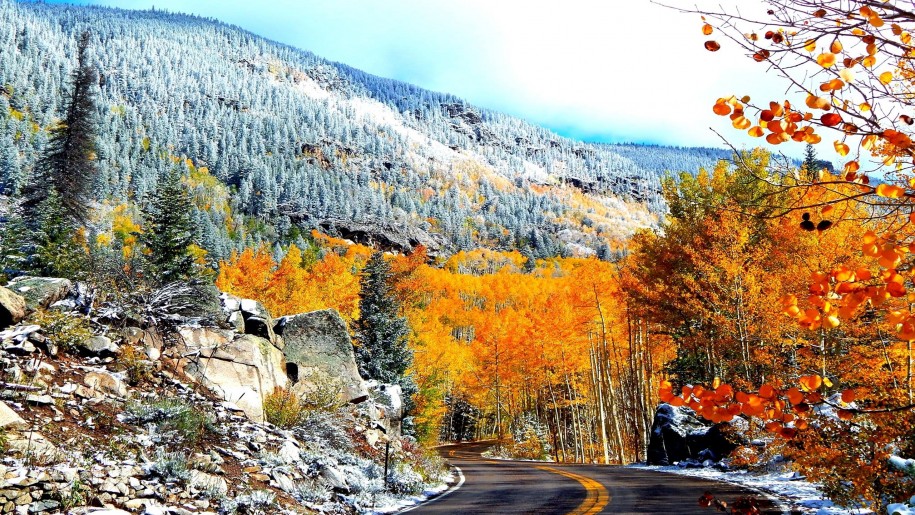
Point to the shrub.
(66, 330)
(258, 502)
(321, 392)
(170, 466)
(283, 408)
(134, 363)
(171, 417)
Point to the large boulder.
(12, 308)
(241, 369)
(318, 344)
(678, 435)
(672, 431)
(41, 292)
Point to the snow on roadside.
(787, 487)
(416, 500)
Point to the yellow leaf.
(890, 191)
(826, 59)
(810, 46)
(886, 77)
(841, 148)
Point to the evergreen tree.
(57, 250)
(67, 166)
(811, 165)
(168, 231)
(382, 332)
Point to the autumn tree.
(849, 69)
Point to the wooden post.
(387, 457)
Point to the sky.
(594, 70)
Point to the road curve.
(507, 487)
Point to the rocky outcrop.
(678, 436)
(241, 369)
(319, 342)
(257, 320)
(41, 292)
(388, 402)
(12, 308)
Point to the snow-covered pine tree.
(168, 231)
(382, 332)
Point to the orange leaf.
(841, 148)
(848, 396)
(721, 108)
(712, 46)
(831, 119)
(811, 382)
(707, 29)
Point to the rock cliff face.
(146, 418)
(241, 369)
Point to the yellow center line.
(596, 497)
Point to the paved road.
(508, 487)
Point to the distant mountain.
(278, 141)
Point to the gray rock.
(41, 292)
(10, 420)
(290, 452)
(43, 506)
(282, 481)
(319, 342)
(100, 346)
(105, 383)
(334, 479)
(388, 398)
(41, 400)
(12, 308)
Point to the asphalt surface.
(503, 487)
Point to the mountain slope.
(295, 142)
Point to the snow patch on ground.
(416, 500)
(787, 487)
